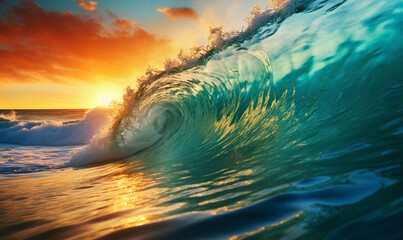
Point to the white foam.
(101, 148)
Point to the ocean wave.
(230, 101)
(181, 111)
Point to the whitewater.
(290, 129)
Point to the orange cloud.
(46, 46)
(123, 23)
(90, 6)
(120, 23)
(174, 13)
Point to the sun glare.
(104, 94)
(106, 99)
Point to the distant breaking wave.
(53, 133)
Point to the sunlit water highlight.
(294, 133)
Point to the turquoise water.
(293, 130)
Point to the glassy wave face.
(291, 130)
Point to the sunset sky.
(82, 54)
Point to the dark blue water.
(292, 130)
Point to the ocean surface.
(293, 129)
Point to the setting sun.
(104, 94)
(106, 99)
